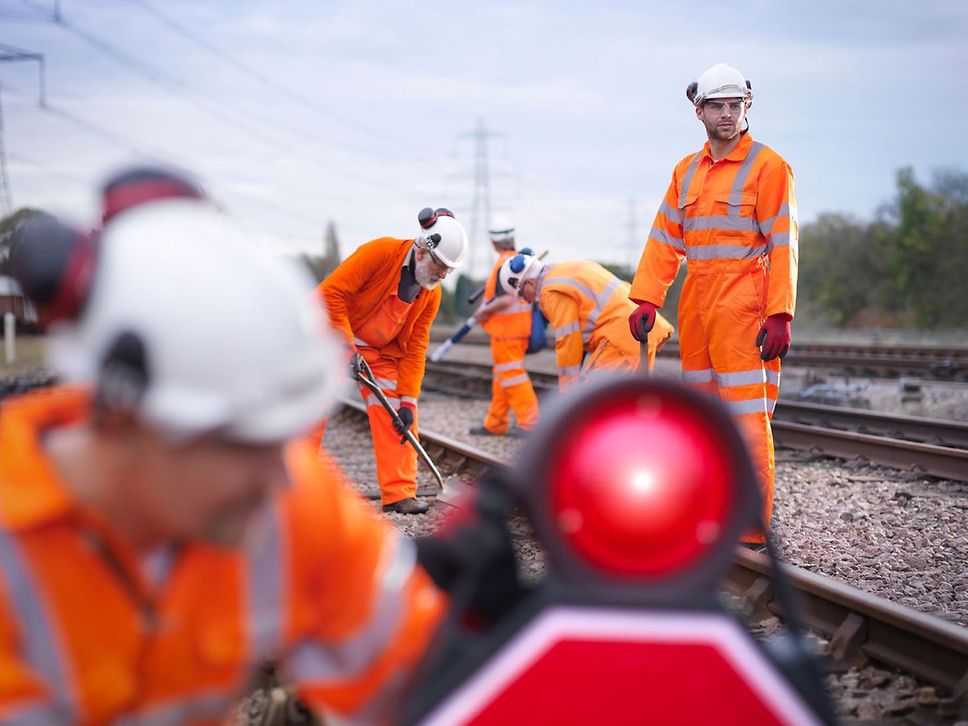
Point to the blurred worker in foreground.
(730, 211)
(587, 307)
(507, 319)
(159, 539)
(383, 298)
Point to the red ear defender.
(145, 184)
(54, 264)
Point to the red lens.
(643, 486)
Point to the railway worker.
(730, 212)
(587, 307)
(382, 299)
(507, 320)
(159, 538)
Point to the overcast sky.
(294, 113)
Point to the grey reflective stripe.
(773, 377)
(601, 300)
(719, 221)
(358, 341)
(37, 629)
(33, 714)
(314, 661)
(267, 574)
(779, 240)
(510, 365)
(767, 224)
(753, 405)
(724, 252)
(387, 384)
(517, 380)
(372, 400)
(581, 287)
(568, 329)
(569, 371)
(210, 706)
(660, 235)
(671, 213)
(408, 399)
(739, 181)
(687, 179)
(703, 375)
(771, 403)
(741, 378)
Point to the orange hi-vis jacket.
(725, 222)
(588, 310)
(513, 321)
(356, 291)
(88, 636)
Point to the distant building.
(12, 300)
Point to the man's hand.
(774, 337)
(406, 413)
(641, 321)
(356, 364)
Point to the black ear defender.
(691, 91)
(428, 216)
(54, 264)
(124, 374)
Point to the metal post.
(9, 337)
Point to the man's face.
(430, 270)
(528, 290)
(722, 117)
(208, 489)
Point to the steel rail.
(930, 648)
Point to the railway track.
(931, 446)
(855, 622)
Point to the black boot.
(407, 506)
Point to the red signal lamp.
(638, 480)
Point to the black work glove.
(405, 412)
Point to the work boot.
(482, 431)
(407, 506)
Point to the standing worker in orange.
(383, 298)
(587, 308)
(164, 528)
(507, 319)
(730, 211)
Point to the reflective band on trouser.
(210, 707)
(396, 463)
(511, 388)
(37, 629)
(266, 583)
(321, 663)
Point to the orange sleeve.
(339, 287)
(776, 213)
(561, 310)
(663, 253)
(364, 609)
(411, 370)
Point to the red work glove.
(641, 321)
(774, 337)
(406, 412)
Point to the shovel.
(452, 487)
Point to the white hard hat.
(501, 230)
(517, 270)
(720, 81)
(447, 239)
(200, 330)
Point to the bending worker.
(587, 307)
(159, 538)
(383, 298)
(507, 319)
(730, 212)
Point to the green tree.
(321, 266)
(8, 228)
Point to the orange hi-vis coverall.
(91, 633)
(360, 296)
(588, 309)
(735, 222)
(511, 387)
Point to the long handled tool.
(450, 488)
(455, 338)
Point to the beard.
(426, 277)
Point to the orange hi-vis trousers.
(511, 389)
(720, 314)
